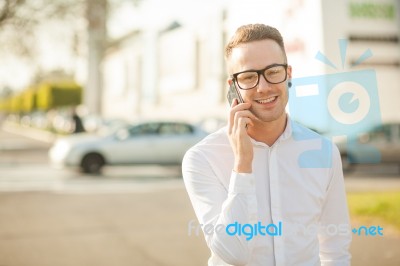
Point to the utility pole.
(96, 14)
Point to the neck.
(268, 132)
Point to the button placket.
(276, 215)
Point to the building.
(176, 69)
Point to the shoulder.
(213, 146)
(218, 139)
(301, 132)
(316, 148)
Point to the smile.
(268, 100)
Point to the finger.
(234, 102)
(242, 122)
(231, 113)
(241, 106)
(245, 113)
(240, 116)
(237, 107)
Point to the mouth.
(267, 100)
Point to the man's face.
(268, 101)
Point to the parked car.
(380, 144)
(143, 143)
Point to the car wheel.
(347, 165)
(92, 163)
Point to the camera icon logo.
(344, 104)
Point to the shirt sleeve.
(216, 206)
(335, 231)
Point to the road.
(128, 216)
(24, 167)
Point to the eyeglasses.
(249, 79)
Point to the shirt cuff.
(242, 183)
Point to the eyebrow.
(249, 70)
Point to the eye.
(248, 77)
(273, 71)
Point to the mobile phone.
(233, 93)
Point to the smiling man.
(263, 168)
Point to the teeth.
(267, 100)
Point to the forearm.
(215, 205)
(239, 207)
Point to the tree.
(19, 19)
(7, 9)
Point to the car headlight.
(59, 151)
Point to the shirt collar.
(287, 133)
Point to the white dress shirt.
(297, 183)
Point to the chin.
(269, 117)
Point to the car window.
(380, 134)
(175, 129)
(396, 133)
(144, 129)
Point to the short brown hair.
(254, 32)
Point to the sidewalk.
(29, 132)
(47, 229)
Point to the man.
(77, 122)
(276, 187)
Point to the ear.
(289, 71)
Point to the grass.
(383, 206)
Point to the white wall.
(339, 22)
(177, 83)
(122, 79)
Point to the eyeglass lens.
(250, 79)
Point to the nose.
(263, 84)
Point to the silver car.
(144, 143)
(380, 144)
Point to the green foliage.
(45, 96)
(384, 205)
(372, 10)
(16, 103)
(5, 105)
(58, 94)
(28, 100)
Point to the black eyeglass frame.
(260, 72)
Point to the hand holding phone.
(239, 119)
